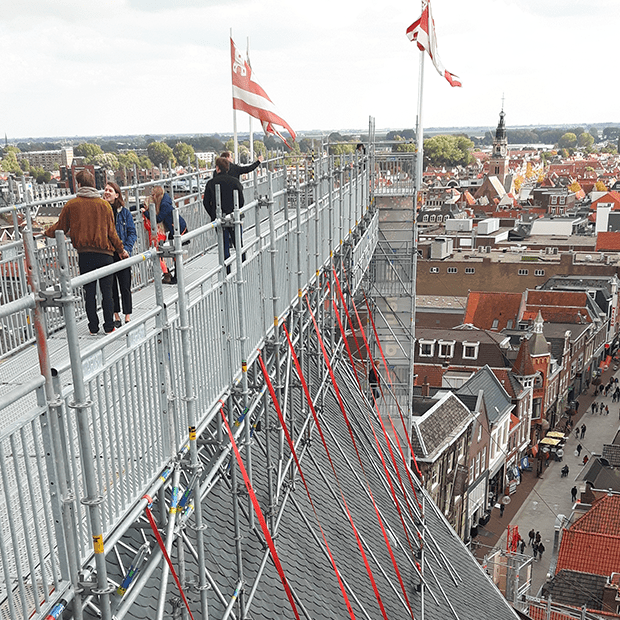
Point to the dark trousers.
(122, 281)
(229, 239)
(89, 261)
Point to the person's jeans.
(89, 261)
(122, 281)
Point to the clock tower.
(498, 165)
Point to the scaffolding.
(158, 470)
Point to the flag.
(423, 33)
(249, 97)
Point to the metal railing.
(82, 442)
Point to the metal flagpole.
(247, 55)
(234, 111)
(414, 234)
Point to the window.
(470, 350)
(539, 272)
(435, 474)
(523, 272)
(496, 169)
(483, 461)
(471, 470)
(495, 324)
(425, 218)
(427, 348)
(509, 324)
(479, 432)
(554, 200)
(452, 270)
(562, 200)
(446, 349)
(432, 218)
(434, 270)
(439, 218)
(470, 270)
(477, 465)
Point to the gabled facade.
(440, 438)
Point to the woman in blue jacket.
(127, 232)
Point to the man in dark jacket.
(228, 185)
(235, 170)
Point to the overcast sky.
(80, 67)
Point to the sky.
(117, 67)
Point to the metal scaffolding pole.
(81, 405)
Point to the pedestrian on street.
(573, 494)
(606, 410)
(535, 549)
(583, 431)
(501, 509)
(532, 534)
(585, 459)
(537, 538)
(593, 407)
(541, 550)
(522, 546)
(579, 449)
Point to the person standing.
(164, 210)
(532, 534)
(573, 494)
(534, 549)
(583, 431)
(502, 507)
(541, 550)
(89, 221)
(521, 546)
(373, 380)
(579, 449)
(585, 459)
(126, 231)
(228, 185)
(235, 170)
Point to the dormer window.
(470, 350)
(427, 348)
(446, 349)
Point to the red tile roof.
(608, 242)
(484, 307)
(592, 544)
(523, 366)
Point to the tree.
(10, 164)
(160, 154)
(404, 147)
(41, 176)
(128, 160)
(529, 170)
(568, 140)
(594, 133)
(518, 183)
(145, 163)
(87, 149)
(184, 152)
(611, 133)
(109, 161)
(585, 140)
(600, 186)
(574, 187)
(448, 150)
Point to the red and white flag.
(249, 97)
(422, 32)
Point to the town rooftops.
(496, 399)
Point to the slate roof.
(601, 477)
(452, 573)
(523, 366)
(574, 588)
(496, 399)
(439, 426)
(611, 452)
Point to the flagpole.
(414, 234)
(236, 147)
(247, 55)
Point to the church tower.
(498, 165)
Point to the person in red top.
(89, 221)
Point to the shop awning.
(556, 435)
(549, 441)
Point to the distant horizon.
(306, 132)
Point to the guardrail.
(82, 442)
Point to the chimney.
(426, 388)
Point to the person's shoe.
(117, 323)
(112, 330)
(94, 333)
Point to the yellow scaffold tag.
(98, 544)
(192, 433)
